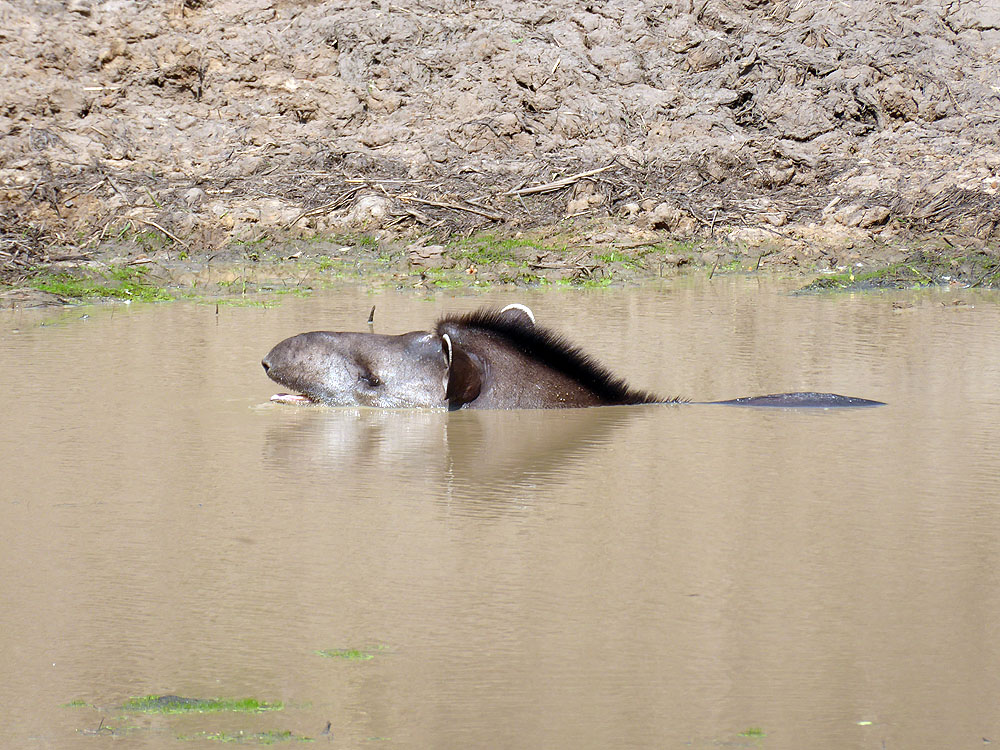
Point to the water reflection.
(488, 461)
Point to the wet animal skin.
(488, 359)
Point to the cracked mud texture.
(815, 133)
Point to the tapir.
(487, 359)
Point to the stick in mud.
(452, 206)
(557, 184)
(153, 224)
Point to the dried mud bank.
(819, 135)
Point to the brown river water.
(642, 577)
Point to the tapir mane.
(551, 350)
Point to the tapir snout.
(362, 369)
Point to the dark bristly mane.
(555, 352)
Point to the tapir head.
(363, 369)
(418, 369)
(484, 360)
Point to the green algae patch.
(351, 654)
(249, 738)
(264, 304)
(175, 704)
(896, 276)
(116, 282)
(920, 269)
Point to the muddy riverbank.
(584, 145)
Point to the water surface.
(655, 576)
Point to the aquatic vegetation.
(447, 283)
(731, 267)
(485, 249)
(921, 269)
(175, 704)
(520, 279)
(243, 302)
(252, 738)
(753, 732)
(588, 283)
(117, 282)
(326, 263)
(476, 261)
(352, 654)
(895, 276)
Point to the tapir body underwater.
(488, 359)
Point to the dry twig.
(452, 206)
(153, 224)
(341, 200)
(548, 187)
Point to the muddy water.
(621, 577)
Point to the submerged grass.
(253, 738)
(895, 276)
(921, 269)
(117, 282)
(351, 654)
(175, 704)
(243, 302)
(598, 283)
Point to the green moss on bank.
(116, 282)
(488, 249)
(920, 269)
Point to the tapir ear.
(465, 376)
(519, 313)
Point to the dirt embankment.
(828, 130)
